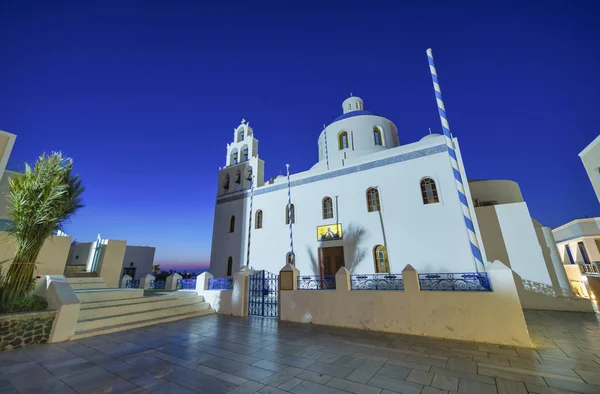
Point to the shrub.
(30, 303)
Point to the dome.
(430, 136)
(353, 114)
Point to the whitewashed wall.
(493, 317)
(142, 258)
(432, 238)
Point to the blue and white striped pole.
(454, 161)
(293, 258)
(250, 222)
(326, 152)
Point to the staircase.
(110, 310)
(86, 282)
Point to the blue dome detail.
(353, 114)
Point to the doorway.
(331, 259)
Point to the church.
(369, 204)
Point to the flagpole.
(250, 222)
(292, 257)
(475, 249)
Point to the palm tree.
(41, 201)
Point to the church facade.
(369, 204)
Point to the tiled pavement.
(218, 354)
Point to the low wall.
(50, 261)
(226, 302)
(538, 300)
(492, 317)
(23, 329)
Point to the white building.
(394, 204)
(512, 236)
(590, 157)
(578, 244)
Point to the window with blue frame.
(583, 252)
(377, 136)
(343, 140)
(569, 254)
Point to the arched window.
(258, 221)
(373, 199)
(343, 140)
(289, 258)
(234, 157)
(241, 135)
(429, 191)
(327, 208)
(245, 153)
(229, 266)
(377, 136)
(232, 224)
(226, 183)
(290, 213)
(382, 264)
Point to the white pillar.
(239, 296)
(171, 283)
(410, 278)
(145, 281)
(202, 281)
(561, 274)
(124, 280)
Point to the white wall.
(493, 317)
(142, 258)
(522, 245)
(590, 157)
(559, 269)
(79, 253)
(432, 238)
(501, 191)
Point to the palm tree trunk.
(18, 279)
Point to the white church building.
(369, 204)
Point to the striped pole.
(454, 161)
(326, 152)
(293, 258)
(250, 221)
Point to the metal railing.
(186, 284)
(538, 287)
(220, 284)
(158, 284)
(376, 282)
(133, 284)
(464, 281)
(316, 282)
(590, 269)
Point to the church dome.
(430, 136)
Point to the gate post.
(239, 296)
(288, 280)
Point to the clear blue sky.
(144, 96)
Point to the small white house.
(369, 204)
(590, 157)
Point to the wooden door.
(331, 260)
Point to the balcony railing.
(538, 287)
(316, 282)
(589, 269)
(186, 284)
(376, 282)
(466, 281)
(220, 284)
(158, 284)
(133, 284)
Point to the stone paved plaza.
(221, 354)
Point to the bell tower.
(242, 163)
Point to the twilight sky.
(144, 96)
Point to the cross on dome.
(243, 121)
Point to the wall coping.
(27, 315)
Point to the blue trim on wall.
(353, 114)
(341, 172)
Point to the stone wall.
(23, 329)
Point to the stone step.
(86, 283)
(91, 295)
(93, 279)
(146, 304)
(184, 306)
(137, 300)
(140, 323)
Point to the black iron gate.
(263, 294)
